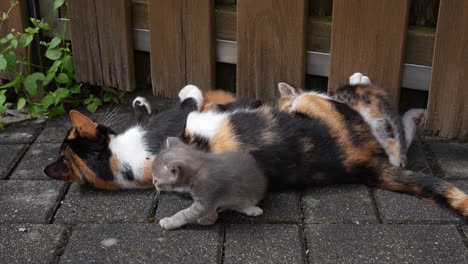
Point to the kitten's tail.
(412, 119)
(426, 187)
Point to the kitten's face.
(169, 165)
(85, 156)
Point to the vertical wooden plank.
(368, 36)
(116, 43)
(85, 41)
(448, 93)
(270, 46)
(182, 44)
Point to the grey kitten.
(230, 180)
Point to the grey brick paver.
(142, 243)
(9, 155)
(86, 205)
(38, 156)
(29, 201)
(21, 133)
(339, 204)
(263, 244)
(30, 243)
(452, 158)
(385, 244)
(55, 130)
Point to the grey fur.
(230, 180)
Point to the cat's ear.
(175, 168)
(173, 142)
(84, 125)
(58, 170)
(286, 89)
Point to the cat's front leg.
(186, 216)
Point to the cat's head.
(85, 156)
(287, 96)
(170, 168)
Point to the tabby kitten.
(319, 142)
(93, 154)
(230, 180)
(379, 111)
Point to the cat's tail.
(411, 120)
(426, 187)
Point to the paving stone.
(417, 157)
(402, 208)
(142, 243)
(339, 204)
(21, 133)
(452, 158)
(385, 244)
(29, 201)
(263, 244)
(35, 160)
(9, 155)
(36, 244)
(55, 130)
(86, 205)
(277, 208)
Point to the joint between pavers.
(152, 212)
(59, 204)
(64, 240)
(431, 159)
(374, 205)
(463, 235)
(221, 250)
(305, 244)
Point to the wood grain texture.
(18, 20)
(448, 94)
(116, 43)
(102, 43)
(368, 36)
(270, 46)
(182, 45)
(85, 41)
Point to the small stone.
(22, 229)
(109, 242)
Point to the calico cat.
(379, 111)
(320, 141)
(93, 154)
(230, 180)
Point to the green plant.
(44, 89)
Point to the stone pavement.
(47, 221)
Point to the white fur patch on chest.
(131, 148)
(205, 124)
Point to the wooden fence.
(274, 39)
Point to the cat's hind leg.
(250, 211)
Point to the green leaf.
(63, 78)
(35, 110)
(13, 44)
(13, 83)
(58, 4)
(3, 62)
(62, 93)
(7, 38)
(47, 101)
(53, 54)
(2, 99)
(31, 30)
(30, 83)
(55, 42)
(26, 39)
(4, 16)
(10, 56)
(56, 111)
(2, 126)
(21, 103)
(76, 88)
(40, 23)
(68, 64)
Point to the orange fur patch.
(216, 97)
(71, 135)
(225, 139)
(147, 173)
(115, 164)
(285, 103)
(457, 199)
(393, 147)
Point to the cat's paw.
(208, 219)
(359, 79)
(168, 223)
(192, 91)
(252, 211)
(140, 103)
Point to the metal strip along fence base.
(414, 76)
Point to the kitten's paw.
(168, 223)
(252, 211)
(357, 79)
(141, 103)
(208, 219)
(192, 91)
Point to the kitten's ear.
(286, 89)
(175, 168)
(84, 125)
(58, 170)
(173, 142)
